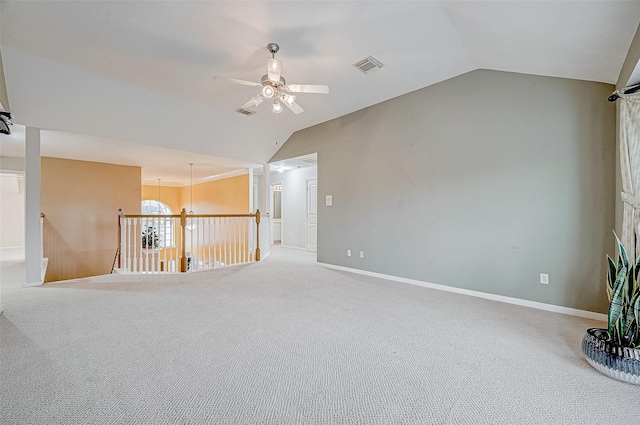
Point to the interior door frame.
(308, 224)
(272, 213)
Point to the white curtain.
(630, 166)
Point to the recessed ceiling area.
(131, 75)
(169, 165)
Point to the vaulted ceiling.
(140, 73)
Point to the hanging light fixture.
(159, 211)
(191, 222)
(289, 99)
(274, 86)
(268, 92)
(257, 100)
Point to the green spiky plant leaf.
(623, 291)
(616, 306)
(611, 278)
(150, 238)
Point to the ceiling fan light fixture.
(273, 86)
(257, 100)
(289, 99)
(268, 92)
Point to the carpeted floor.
(286, 341)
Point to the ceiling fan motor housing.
(273, 48)
(265, 81)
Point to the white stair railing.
(186, 242)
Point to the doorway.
(297, 179)
(276, 213)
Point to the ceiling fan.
(275, 87)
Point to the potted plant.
(150, 239)
(615, 351)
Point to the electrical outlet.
(361, 254)
(544, 278)
(348, 253)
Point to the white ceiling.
(172, 166)
(136, 75)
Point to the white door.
(276, 213)
(312, 215)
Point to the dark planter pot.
(621, 363)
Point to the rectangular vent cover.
(245, 111)
(368, 65)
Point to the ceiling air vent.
(246, 112)
(368, 65)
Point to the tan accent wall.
(226, 196)
(80, 201)
(168, 195)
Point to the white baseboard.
(43, 268)
(500, 298)
(11, 253)
(294, 247)
(264, 256)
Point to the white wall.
(11, 211)
(294, 204)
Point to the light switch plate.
(329, 200)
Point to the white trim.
(500, 298)
(226, 175)
(262, 257)
(293, 247)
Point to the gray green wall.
(480, 182)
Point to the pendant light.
(191, 222)
(159, 211)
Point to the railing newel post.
(120, 214)
(257, 235)
(183, 243)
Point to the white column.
(32, 240)
(265, 189)
(252, 207)
(265, 207)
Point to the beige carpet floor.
(287, 341)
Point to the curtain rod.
(627, 90)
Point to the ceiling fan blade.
(233, 80)
(308, 88)
(249, 104)
(295, 108)
(274, 69)
(254, 102)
